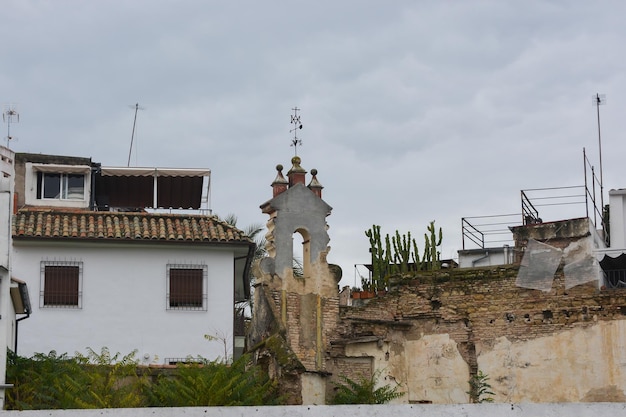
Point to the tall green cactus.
(431, 254)
(379, 261)
(402, 251)
(400, 254)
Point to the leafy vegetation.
(364, 391)
(214, 384)
(96, 380)
(102, 380)
(480, 389)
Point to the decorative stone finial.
(280, 183)
(315, 185)
(296, 174)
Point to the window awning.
(609, 263)
(151, 172)
(143, 187)
(62, 169)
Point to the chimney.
(280, 183)
(315, 185)
(296, 174)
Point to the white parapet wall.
(467, 410)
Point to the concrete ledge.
(467, 410)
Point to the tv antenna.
(10, 115)
(295, 120)
(132, 136)
(598, 100)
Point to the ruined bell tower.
(296, 309)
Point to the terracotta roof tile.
(86, 225)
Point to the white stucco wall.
(617, 202)
(124, 301)
(485, 257)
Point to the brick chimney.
(296, 174)
(280, 183)
(315, 185)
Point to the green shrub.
(480, 389)
(214, 384)
(102, 380)
(364, 391)
(97, 380)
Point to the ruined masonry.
(296, 314)
(542, 328)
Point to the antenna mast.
(9, 115)
(132, 137)
(295, 120)
(598, 100)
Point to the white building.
(104, 272)
(13, 294)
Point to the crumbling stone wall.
(487, 317)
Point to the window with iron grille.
(187, 287)
(61, 284)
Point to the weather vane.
(295, 120)
(9, 116)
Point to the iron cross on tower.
(295, 120)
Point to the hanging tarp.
(539, 263)
(580, 265)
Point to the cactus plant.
(401, 254)
(431, 254)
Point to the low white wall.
(467, 410)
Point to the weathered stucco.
(441, 328)
(436, 370)
(571, 366)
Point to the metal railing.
(488, 231)
(494, 230)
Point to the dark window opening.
(60, 186)
(186, 288)
(61, 285)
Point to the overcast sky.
(412, 111)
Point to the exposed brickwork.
(474, 305)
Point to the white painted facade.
(473, 258)
(617, 202)
(7, 310)
(123, 305)
(6, 198)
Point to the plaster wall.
(436, 371)
(431, 410)
(313, 389)
(124, 301)
(430, 369)
(571, 366)
(561, 345)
